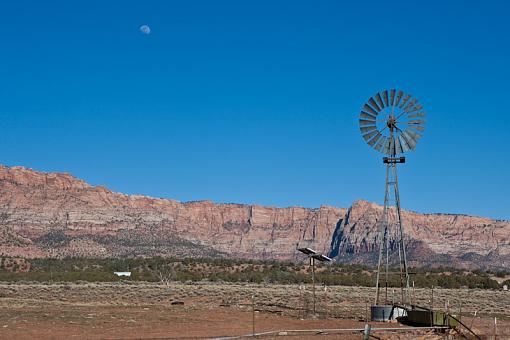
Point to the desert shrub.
(502, 273)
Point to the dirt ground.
(135, 310)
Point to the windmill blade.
(392, 97)
(398, 146)
(410, 105)
(386, 146)
(394, 146)
(404, 100)
(380, 143)
(375, 139)
(365, 115)
(372, 102)
(403, 144)
(369, 135)
(368, 108)
(417, 125)
(365, 129)
(412, 110)
(413, 134)
(379, 100)
(419, 128)
(416, 121)
(385, 97)
(366, 122)
(418, 107)
(417, 114)
(399, 97)
(410, 141)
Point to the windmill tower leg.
(404, 273)
(383, 242)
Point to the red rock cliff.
(50, 214)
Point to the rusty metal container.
(431, 318)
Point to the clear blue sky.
(258, 101)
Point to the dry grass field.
(144, 310)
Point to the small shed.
(120, 274)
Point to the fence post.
(460, 311)
(298, 305)
(253, 313)
(366, 332)
(473, 320)
(414, 295)
(326, 302)
(432, 307)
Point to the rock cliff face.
(431, 239)
(56, 215)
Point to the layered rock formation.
(431, 239)
(56, 215)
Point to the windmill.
(391, 122)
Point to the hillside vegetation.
(166, 270)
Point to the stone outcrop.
(57, 215)
(431, 239)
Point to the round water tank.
(386, 312)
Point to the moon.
(145, 29)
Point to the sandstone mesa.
(58, 215)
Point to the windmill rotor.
(392, 122)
